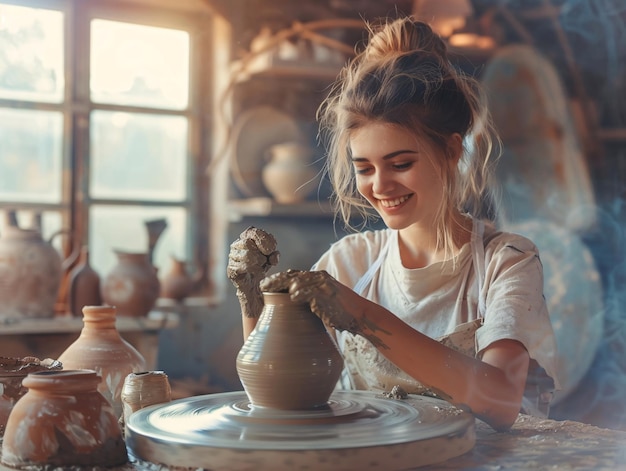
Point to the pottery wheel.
(356, 430)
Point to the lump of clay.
(250, 257)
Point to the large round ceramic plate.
(357, 430)
(255, 131)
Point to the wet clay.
(250, 257)
(327, 297)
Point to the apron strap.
(367, 277)
(478, 257)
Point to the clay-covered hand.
(249, 259)
(333, 302)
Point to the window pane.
(138, 156)
(30, 155)
(124, 228)
(31, 54)
(139, 65)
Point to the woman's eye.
(402, 166)
(361, 170)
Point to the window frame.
(77, 107)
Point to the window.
(104, 125)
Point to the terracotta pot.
(84, 285)
(132, 286)
(12, 373)
(63, 421)
(144, 389)
(289, 360)
(177, 283)
(30, 274)
(101, 348)
(290, 175)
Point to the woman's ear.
(454, 148)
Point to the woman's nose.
(382, 183)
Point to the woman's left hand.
(333, 302)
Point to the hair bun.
(404, 35)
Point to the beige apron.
(539, 386)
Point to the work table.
(531, 444)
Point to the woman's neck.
(418, 243)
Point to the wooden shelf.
(237, 209)
(155, 321)
(287, 70)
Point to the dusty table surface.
(531, 444)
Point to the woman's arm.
(490, 388)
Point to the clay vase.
(101, 348)
(30, 274)
(177, 284)
(289, 361)
(84, 285)
(63, 421)
(290, 175)
(12, 373)
(132, 286)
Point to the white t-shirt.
(436, 299)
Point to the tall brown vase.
(289, 361)
(84, 285)
(132, 286)
(101, 348)
(62, 422)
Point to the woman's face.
(398, 174)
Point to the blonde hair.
(403, 77)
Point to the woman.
(439, 299)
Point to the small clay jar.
(289, 361)
(12, 374)
(132, 285)
(177, 284)
(100, 347)
(63, 421)
(144, 389)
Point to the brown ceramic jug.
(132, 286)
(63, 421)
(30, 274)
(289, 361)
(101, 348)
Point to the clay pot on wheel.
(63, 421)
(132, 286)
(289, 361)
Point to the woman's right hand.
(249, 259)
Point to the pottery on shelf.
(132, 285)
(100, 347)
(84, 285)
(177, 283)
(12, 373)
(30, 274)
(63, 421)
(290, 175)
(289, 361)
